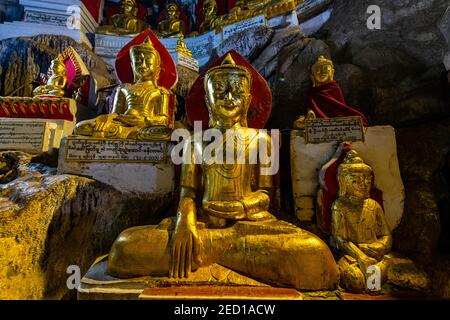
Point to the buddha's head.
(173, 11)
(145, 61)
(322, 71)
(354, 177)
(228, 94)
(129, 7)
(210, 8)
(57, 66)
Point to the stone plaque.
(102, 150)
(188, 62)
(23, 136)
(228, 31)
(334, 129)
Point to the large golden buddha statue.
(172, 25)
(126, 22)
(223, 215)
(359, 228)
(141, 110)
(57, 80)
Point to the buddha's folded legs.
(272, 252)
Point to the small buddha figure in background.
(223, 215)
(211, 20)
(141, 109)
(325, 98)
(181, 47)
(57, 80)
(172, 25)
(126, 22)
(359, 229)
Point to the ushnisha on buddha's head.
(354, 177)
(228, 94)
(322, 71)
(129, 6)
(145, 61)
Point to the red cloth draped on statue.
(93, 6)
(327, 101)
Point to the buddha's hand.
(186, 244)
(375, 249)
(103, 121)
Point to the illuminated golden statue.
(223, 212)
(126, 22)
(141, 110)
(181, 47)
(326, 99)
(173, 25)
(359, 228)
(211, 20)
(56, 82)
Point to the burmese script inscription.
(24, 136)
(98, 150)
(334, 129)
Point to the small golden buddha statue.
(141, 110)
(181, 47)
(223, 215)
(126, 22)
(57, 80)
(359, 229)
(211, 20)
(173, 25)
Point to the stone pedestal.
(213, 282)
(379, 150)
(64, 17)
(126, 165)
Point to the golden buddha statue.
(126, 22)
(140, 110)
(359, 229)
(326, 99)
(223, 215)
(173, 25)
(211, 20)
(57, 80)
(181, 47)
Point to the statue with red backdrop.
(325, 99)
(144, 105)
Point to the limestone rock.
(24, 59)
(8, 167)
(49, 222)
(249, 42)
(405, 273)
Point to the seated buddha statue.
(57, 80)
(126, 22)
(223, 214)
(358, 229)
(140, 110)
(211, 20)
(172, 25)
(325, 98)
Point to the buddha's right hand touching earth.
(186, 244)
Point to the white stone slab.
(33, 136)
(127, 176)
(379, 150)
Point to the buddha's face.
(128, 6)
(209, 8)
(356, 183)
(145, 64)
(228, 95)
(57, 67)
(173, 11)
(322, 74)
